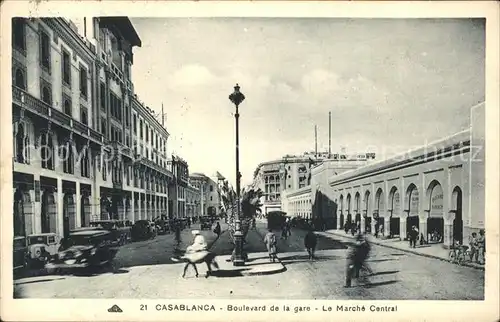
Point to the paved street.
(144, 270)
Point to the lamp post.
(237, 98)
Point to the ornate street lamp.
(237, 98)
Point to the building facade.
(210, 203)
(293, 173)
(177, 188)
(77, 153)
(438, 188)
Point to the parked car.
(142, 230)
(120, 229)
(20, 253)
(84, 249)
(42, 248)
(161, 226)
(205, 223)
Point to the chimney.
(329, 134)
(315, 141)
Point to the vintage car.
(120, 229)
(20, 253)
(42, 248)
(84, 249)
(142, 230)
(205, 223)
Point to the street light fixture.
(237, 98)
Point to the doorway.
(458, 227)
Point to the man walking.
(310, 241)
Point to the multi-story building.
(193, 201)
(73, 106)
(294, 172)
(210, 193)
(439, 188)
(177, 188)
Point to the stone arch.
(20, 143)
(435, 219)
(411, 206)
(348, 206)
(19, 215)
(366, 212)
(395, 207)
(357, 210)
(47, 149)
(341, 217)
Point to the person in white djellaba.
(197, 253)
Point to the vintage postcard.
(213, 161)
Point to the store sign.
(414, 202)
(396, 204)
(437, 201)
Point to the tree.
(250, 205)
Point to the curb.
(410, 251)
(277, 271)
(249, 273)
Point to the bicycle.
(459, 254)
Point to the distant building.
(210, 193)
(177, 187)
(293, 172)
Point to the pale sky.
(390, 84)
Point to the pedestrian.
(481, 247)
(198, 253)
(473, 247)
(217, 229)
(271, 241)
(310, 241)
(413, 236)
(356, 259)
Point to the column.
(387, 224)
(362, 224)
(448, 233)
(132, 208)
(78, 202)
(402, 227)
(95, 203)
(202, 200)
(37, 207)
(373, 223)
(422, 225)
(59, 195)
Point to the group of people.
(353, 227)
(477, 247)
(271, 241)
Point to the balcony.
(121, 148)
(154, 166)
(44, 110)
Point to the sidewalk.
(436, 251)
(258, 260)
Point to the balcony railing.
(36, 106)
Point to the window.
(47, 151)
(140, 129)
(46, 94)
(135, 124)
(147, 133)
(211, 188)
(67, 107)
(22, 144)
(104, 171)
(19, 34)
(83, 115)
(83, 82)
(211, 198)
(103, 96)
(66, 61)
(103, 127)
(45, 50)
(67, 156)
(127, 119)
(20, 80)
(85, 164)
